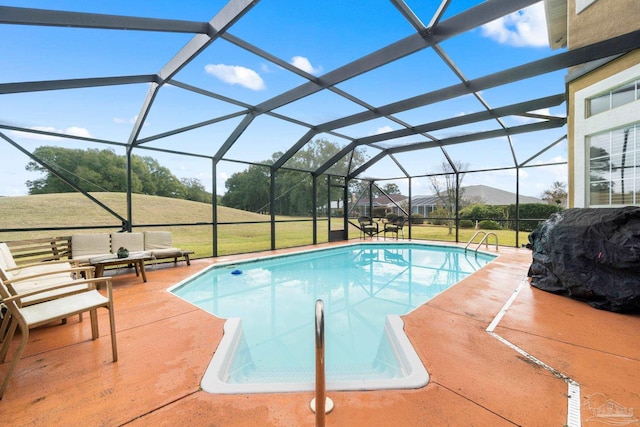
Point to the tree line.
(104, 170)
(250, 189)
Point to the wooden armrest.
(91, 282)
(72, 262)
(49, 273)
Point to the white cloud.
(383, 129)
(121, 121)
(527, 27)
(78, 131)
(305, 65)
(236, 75)
(72, 130)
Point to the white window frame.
(584, 126)
(583, 4)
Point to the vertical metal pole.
(371, 199)
(457, 218)
(345, 207)
(314, 204)
(329, 207)
(410, 207)
(127, 226)
(517, 206)
(214, 206)
(272, 204)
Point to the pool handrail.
(320, 404)
(320, 384)
(483, 240)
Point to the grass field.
(59, 211)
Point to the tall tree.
(556, 195)
(362, 187)
(194, 190)
(104, 170)
(444, 186)
(249, 190)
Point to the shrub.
(391, 216)
(488, 224)
(379, 212)
(479, 212)
(417, 218)
(530, 212)
(439, 215)
(466, 223)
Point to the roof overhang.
(556, 14)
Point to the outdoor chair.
(367, 227)
(8, 263)
(395, 227)
(40, 276)
(29, 317)
(44, 277)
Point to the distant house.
(483, 194)
(424, 205)
(472, 194)
(390, 203)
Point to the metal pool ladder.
(484, 240)
(320, 404)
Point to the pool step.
(297, 375)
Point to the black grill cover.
(591, 255)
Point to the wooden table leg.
(99, 270)
(142, 272)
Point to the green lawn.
(72, 209)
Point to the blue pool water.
(272, 303)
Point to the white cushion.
(6, 258)
(85, 245)
(157, 240)
(133, 242)
(166, 253)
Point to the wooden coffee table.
(100, 262)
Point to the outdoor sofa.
(153, 244)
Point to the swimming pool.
(268, 342)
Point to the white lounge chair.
(43, 277)
(38, 314)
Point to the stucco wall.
(602, 20)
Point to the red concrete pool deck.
(477, 378)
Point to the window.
(613, 98)
(614, 167)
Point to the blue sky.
(317, 37)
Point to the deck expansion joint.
(573, 393)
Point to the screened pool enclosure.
(321, 106)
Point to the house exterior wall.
(600, 20)
(581, 127)
(588, 22)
